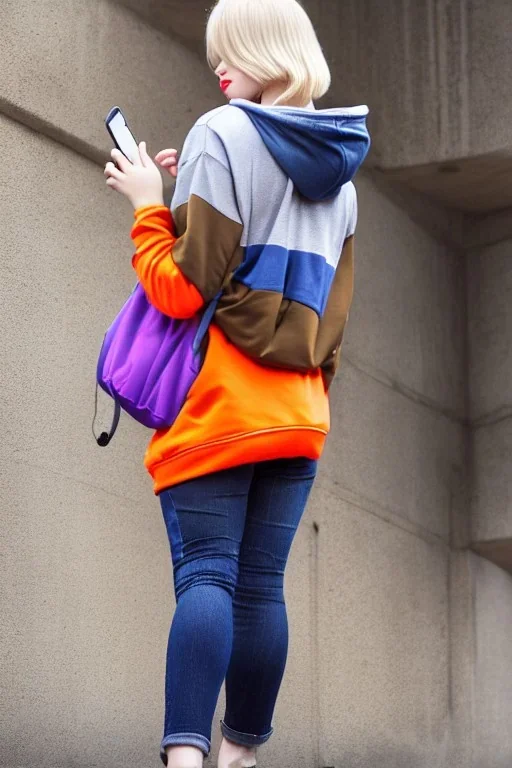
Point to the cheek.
(246, 88)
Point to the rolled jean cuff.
(244, 739)
(184, 740)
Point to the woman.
(264, 210)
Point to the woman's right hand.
(168, 160)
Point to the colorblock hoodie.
(265, 210)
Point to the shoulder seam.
(205, 153)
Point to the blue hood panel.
(320, 150)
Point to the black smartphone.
(121, 135)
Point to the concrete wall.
(386, 614)
(492, 736)
(489, 60)
(388, 490)
(434, 72)
(490, 326)
(65, 64)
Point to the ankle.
(233, 755)
(184, 757)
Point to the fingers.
(114, 176)
(171, 167)
(145, 158)
(121, 161)
(113, 183)
(165, 154)
(168, 159)
(112, 172)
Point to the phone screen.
(122, 135)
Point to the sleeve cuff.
(150, 209)
(153, 217)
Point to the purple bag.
(149, 361)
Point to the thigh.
(205, 517)
(277, 499)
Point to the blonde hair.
(270, 41)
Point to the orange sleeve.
(165, 285)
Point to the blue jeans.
(230, 535)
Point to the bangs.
(215, 47)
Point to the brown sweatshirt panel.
(208, 248)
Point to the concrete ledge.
(489, 277)
(185, 19)
(490, 229)
(498, 552)
(65, 64)
(473, 185)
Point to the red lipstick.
(224, 84)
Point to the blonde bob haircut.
(272, 41)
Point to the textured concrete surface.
(185, 19)
(498, 551)
(491, 506)
(408, 61)
(490, 65)
(462, 649)
(65, 64)
(439, 93)
(489, 272)
(493, 665)
(295, 737)
(67, 276)
(407, 323)
(86, 607)
(483, 231)
(490, 357)
(474, 185)
(386, 450)
(398, 404)
(383, 640)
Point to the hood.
(320, 150)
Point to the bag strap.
(205, 322)
(105, 437)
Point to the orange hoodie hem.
(285, 443)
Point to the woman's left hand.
(140, 181)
